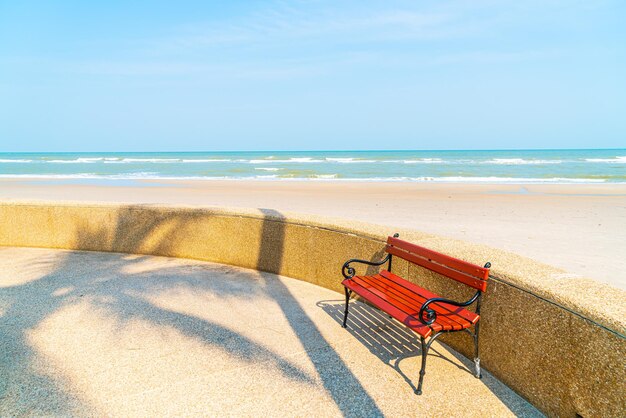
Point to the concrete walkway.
(125, 335)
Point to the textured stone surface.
(557, 340)
(87, 333)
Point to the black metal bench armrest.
(427, 315)
(349, 272)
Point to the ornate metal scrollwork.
(427, 315)
(348, 271)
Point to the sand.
(580, 228)
(96, 334)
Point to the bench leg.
(345, 313)
(425, 348)
(477, 373)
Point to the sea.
(501, 166)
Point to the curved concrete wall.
(557, 340)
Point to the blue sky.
(203, 76)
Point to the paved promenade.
(85, 333)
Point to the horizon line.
(317, 150)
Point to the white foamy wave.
(424, 161)
(334, 177)
(214, 160)
(15, 161)
(494, 179)
(350, 160)
(75, 161)
(152, 160)
(618, 159)
(126, 176)
(520, 161)
(51, 176)
(290, 160)
(123, 176)
(267, 168)
(304, 160)
(163, 160)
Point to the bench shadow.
(393, 343)
(384, 337)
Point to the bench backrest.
(459, 270)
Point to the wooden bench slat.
(402, 300)
(438, 268)
(386, 296)
(373, 285)
(445, 319)
(390, 309)
(412, 287)
(474, 270)
(442, 322)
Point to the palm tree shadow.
(338, 380)
(30, 386)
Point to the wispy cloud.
(301, 40)
(279, 26)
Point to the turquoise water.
(531, 166)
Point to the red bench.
(424, 312)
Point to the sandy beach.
(580, 228)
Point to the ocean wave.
(210, 160)
(306, 160)
(520, 161)
(82, 160)
(165, 160)
(424, 161)
(335, 177)
(326, 176)
(494, 179)
(290, 160)
(152, 160)
(75, 161)
(140, 160)
(452, 179)
(619, 159)
(124, 176)
(267, 168)
(350, 160)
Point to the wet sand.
(580, 228)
